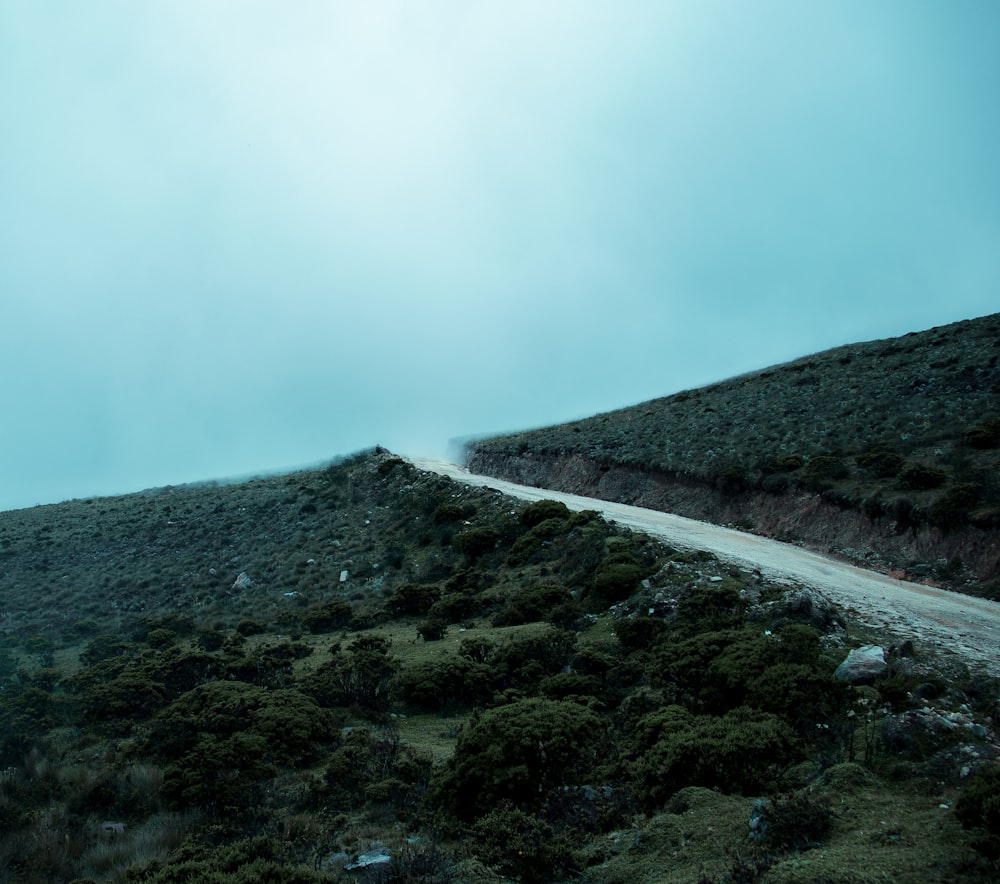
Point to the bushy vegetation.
(905, 431)
(593, 706)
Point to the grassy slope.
(905, 430)
(155, 572)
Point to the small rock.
(243, 581)
(367, 860)
(863, 665)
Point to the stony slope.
(886, 452)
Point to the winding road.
(958, 626)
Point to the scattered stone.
(343, 576)
(242, 582)
(375, 857)
(863, 665)
(758, 820)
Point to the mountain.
(886, 453)
(371, 672)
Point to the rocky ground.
(960, 627)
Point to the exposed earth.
(960, 627)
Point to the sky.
(241, 236)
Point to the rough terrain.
(961, 627)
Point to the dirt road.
(958, 626)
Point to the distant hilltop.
(885, 452)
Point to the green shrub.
(104, 647)
(881, 461)
(921, 476)
(742, 751)
(523, 660)
(445, 685)
(823, 469)
(532, 604)
(454, 607)
(952, 508)
(327, 616)
(638, 633)
(519, 845)
(476, 542)
(361, 676)
(978, 808)
(412, 599)
(985, 435)
(526, 548)
(793, 821)
(518, 753)
(432, 629)
(615, 581)
(542, 511)
(219, 740)
(250, 627)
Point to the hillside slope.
(371, 672)
(886, 452)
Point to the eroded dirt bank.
(799, 517)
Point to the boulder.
(863, 665)
(243, 581)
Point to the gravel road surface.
(958, 626)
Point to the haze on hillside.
(237, 238)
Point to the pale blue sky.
(239, 236)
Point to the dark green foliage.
(952, 508)
(978, 808)
(795, 821)
(433, 629)
(373, 767)
(448, 512)
(615, 581)
(730, 478)
(881, 461)
(710, 607)
(524, 660)
(250, 627)
(527, 547)
(476, 542)
(542, 511)
(638, 633)
(26, 713)
(985, 435)
(820, 471)
(922, 476)
(741, 751)
(454, 607)
(518, 844)
(327, 616)
(413, 599)
(219, 740)
(532, 604)
(246, 861)
(361, 676)
(518, 753)
(161, 638)
(105, 646)
(448, 684)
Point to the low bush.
(518, 753)
(448, 684)
(742, 751)
(615, 581)
(532, 604)
(922, 476)
(518, 845)
(978, 808)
